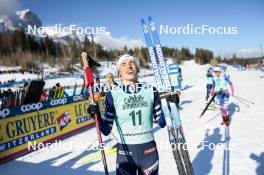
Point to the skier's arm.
(254, 157)
(157, 112)
(230, 84)
(106, 123)
(213, 88)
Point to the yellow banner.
(41, 126)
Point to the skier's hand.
(93, 109)
(173, 97)
(212, 93)
(179, 93)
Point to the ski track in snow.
(244, 136)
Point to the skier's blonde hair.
(109, 77)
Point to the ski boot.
(226, 120)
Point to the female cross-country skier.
(221, 84)
(132, 106)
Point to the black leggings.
(141, 158)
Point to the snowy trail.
(244, 133)
(244, 137)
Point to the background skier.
(221, 84)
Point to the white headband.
(217, 69)
(121, 58)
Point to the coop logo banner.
(4, 113)
(77, 97)
(71, 29)
(31, 107)
(59, 101)
(191, 29)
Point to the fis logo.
(64, 120)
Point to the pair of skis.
(159, 68)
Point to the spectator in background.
(11, 98)
(52, 92)
(59, 91)
(110, 82)
(44, 96)
(57, 85)
(110, 79)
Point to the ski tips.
(151, 23)
(142, 21)
(150, 18)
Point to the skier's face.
(217, 73)
(128, 71)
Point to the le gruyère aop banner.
(41, 126)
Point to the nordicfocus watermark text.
(191, 29)
(71, 29)
(59, 145)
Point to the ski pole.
(89, 81)
(213, 117)
(207, 106)
(246, 100)
(242, 102)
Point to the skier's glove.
(179, 93)
(172, 97)
(212, 93)
(93, 109)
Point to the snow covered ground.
(244, 137)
